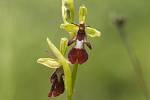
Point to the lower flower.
(57, 81)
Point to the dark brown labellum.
(77, 56)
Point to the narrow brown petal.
(88, 45)
(71, 41)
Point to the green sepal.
(63, 45)
(68, 11)
(72, 29)
(49, 62)
(82, 14)
(92, 32)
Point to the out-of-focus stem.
(119, 22)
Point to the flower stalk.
(74, 74)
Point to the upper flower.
(78, 54)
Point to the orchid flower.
(60, 64)
(79, 33)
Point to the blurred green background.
(108, 74)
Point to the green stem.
(74, 74)
(68, 17)
(68, 80)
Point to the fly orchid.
(64, 76)
(78, 54)
(56, 79)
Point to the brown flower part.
(78, 54)
(57, 81)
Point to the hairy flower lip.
(77, 56)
